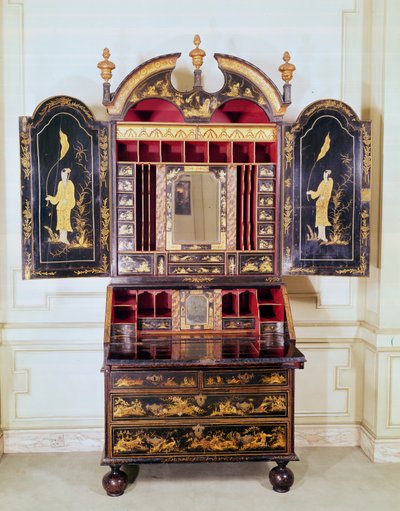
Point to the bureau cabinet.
(196, 204)
(216, 396)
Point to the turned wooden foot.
(115, 481)
(281, 477)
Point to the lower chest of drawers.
(202, 413)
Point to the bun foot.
(281, 477)
(115, 481)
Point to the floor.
(325, 479)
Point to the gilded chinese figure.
(65, 200)
(323, 195)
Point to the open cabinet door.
(326, 174)
(65, 190)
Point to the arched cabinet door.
(65, 191)
(326, 181)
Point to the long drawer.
(271, 404)
(201, 439)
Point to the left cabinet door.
(65, 191)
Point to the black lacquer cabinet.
(196, 204)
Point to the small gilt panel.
(157, 379)
(238, 324)
(135, 264)
(154, 324)
(250, 378)
(256, 264)
(190, 132)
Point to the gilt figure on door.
(65, 200)
(323, 196)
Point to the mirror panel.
(195, 208)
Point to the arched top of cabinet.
(242, 81)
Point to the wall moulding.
(393, 382)
(47, 299)
(328, 331)
(38, 396)
(336, 383)
(387, 339)
(322, 298)
(1, 443)
(92, 332)
(17, 15)
(350, 37)
(58, 335)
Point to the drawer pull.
(200, 399)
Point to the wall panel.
(48, 386)
(328, 391)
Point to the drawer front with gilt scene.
(249, 378)
(126, 407)
(154, 379)
(200, 440)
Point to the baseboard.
(68, 440)
(379, 450)
(341, 435)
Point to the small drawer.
(238, 323)
(273, 327)
(268, 377)
(154, 379)
(271, 405)
(200, 439)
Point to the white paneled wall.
(51, 331)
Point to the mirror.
(196, 215)
(196, 310)
(195, 207)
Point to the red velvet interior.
(264, 304)
(241, 111)
(154, 110)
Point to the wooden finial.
(106, 67)
(197, 53)
(287, 69)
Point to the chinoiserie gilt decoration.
(326, 153)
(196, 203)
(153, 80)
(65, 197)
